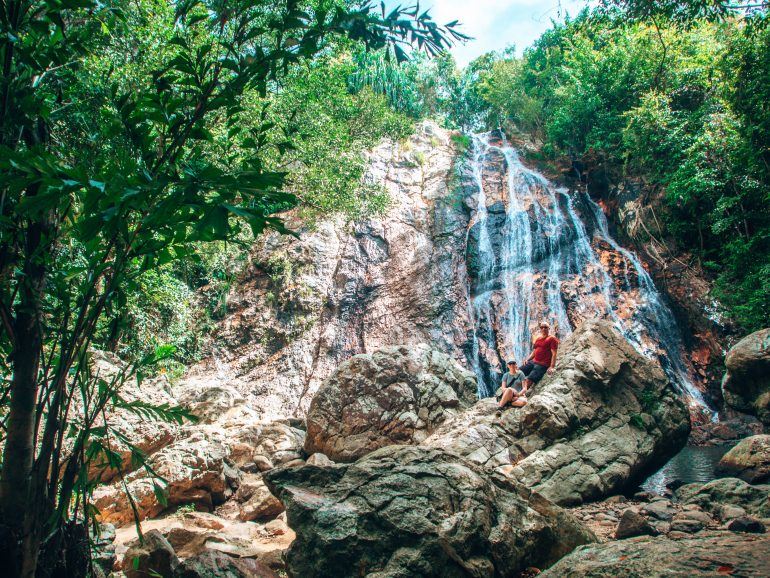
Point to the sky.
(496, 24)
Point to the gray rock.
(213, 564)
(749, 460)
(395, 395)
(633, 524)
(319, 459)
(255, 500)
(746, 384)
(660, 509)
(599, 424)
(414, 511)
(686, 557)
(686, 525)
(747, 525)
(715, 495)
(155, 557)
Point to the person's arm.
(553, 356)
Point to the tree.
(81, 219)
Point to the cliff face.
(637, 213)
(305, 305)
(474, 250)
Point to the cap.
(544, 324)
(511, 362)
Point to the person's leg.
(520, 401)
(536, 374)
(506, 397)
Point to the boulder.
(263, 445)
(415, 511)
(255, 500)
(195, 471)
(632, 524)
(395, 395)
(747, 525)
(749, 460)
(209, 402)
(153, 557)
(146, 435)
(728, 494)
(700, 555)
(746, 384)
(213, 564)
(605, 419)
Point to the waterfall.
(534, 259)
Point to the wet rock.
(747, 525)
(633, 524)
(728, 430)
(155, 557)
(717, 495)
(396, 395)
(413, 511)
(746, 384)
(749, 460)
(687, 556)
(599, 424)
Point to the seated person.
(514, 388)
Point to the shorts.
(533, 371)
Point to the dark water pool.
(692, 464)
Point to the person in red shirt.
(543, 356)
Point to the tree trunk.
(16, 504)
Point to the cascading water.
(532, 258)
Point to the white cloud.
(496, 24)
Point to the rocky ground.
(418, 480)
(394, 469)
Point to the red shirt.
(545, 348)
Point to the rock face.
(396, 395)
(604, 419)
(746, 385)
(305, 305)
(749, 460)
(725, 494)
(413, 511)
(727, 554)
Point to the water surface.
(692, 464)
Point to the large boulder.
(727, 493)
(396, 395)
(414, 511)
(746, 384)
(749, 460)
(132, 430)
(605, 419)
(192, 470)
(263, 445)
(725, 554)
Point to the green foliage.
(131, 136)
(676, 92)
(637, 421)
